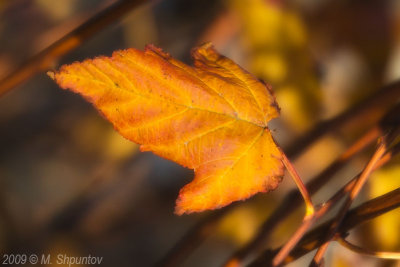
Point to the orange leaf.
(211, 118)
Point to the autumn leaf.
(211, 118)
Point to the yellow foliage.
(211, 118)
(117, 147)
(271, 65)
(291, 103)
(295, 29)
(276, 39)
(62, 10)
(240, 225)
(386, 227)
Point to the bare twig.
(366, 252)
(328, 205)
(292, 201)
(312, 240)
(45, 58)
(382, 148)
(336, 197)
(349, 187)
(382, 98)
(193, 238)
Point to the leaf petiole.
(309, 216)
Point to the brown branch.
(356, 216)
(347, 188)
(352, 188)
(194, 236)
(44, 59)
(382, 98)
(355, 190)
(328, 205)
(366, 252)
(292, 201)
(189, 242)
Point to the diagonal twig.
(384, 97)
(387, 96)
(267, 256)
(380, 151)
(356, 216)
(292, 200)
(44, 59)
(363, 251)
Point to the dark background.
(70, 184)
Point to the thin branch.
(356, 216)
(386, 97)
(366, 252)
(325, 207)
(353, 188)
(44, 59)
(189, 242)
(292, 201)
(382, 98)
(381, 150)
(328, 205)
(348, 188)
(307, 222)
(309, 216)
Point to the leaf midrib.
(135, 92)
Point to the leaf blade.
(211, 117)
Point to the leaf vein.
(238, 158)
(208, 86)
(208, 131)
(164, 99)
(246, 85)
(160, 120)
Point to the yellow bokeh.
(261, 21)
(276, 41)
(240, 225)
(117, 147)
(270, 65)
(386, 227)
(295, 30)
(291, 103)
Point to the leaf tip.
(180, 208)
(150, 48)
(179, 211)
(203, 50)
(51, 74)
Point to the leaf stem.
(302, 188)
(309, 244)
(359, 183)
(195, 235)
(292, 200)
(309, 216)
(356, 216)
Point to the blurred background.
(70, 184)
